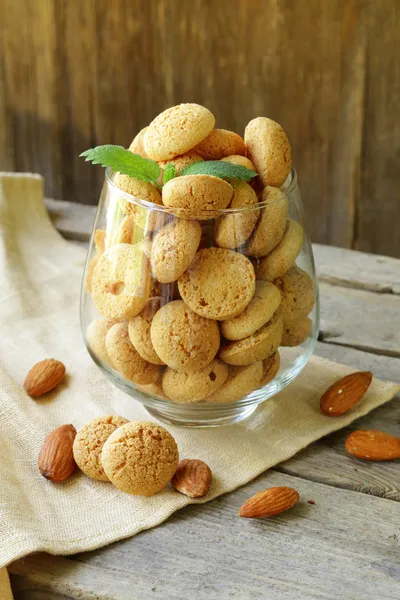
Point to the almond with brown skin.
(269, 503)
(373, 445)
(192, 478)
(43, 377)
(340, 397)
(56, 459)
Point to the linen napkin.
(40, 277)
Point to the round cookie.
(139, 331)
(154, 389)
(241, 381)
(219, 283)
(177, 130)
(121, 281)
(99, 239)
(219, 144)
(269, 150)
(296, 332)
(259, 311)
(271, 367)
(197, 192)
(89, 442)
(185, 341)
(297, 290)
(242, 161)
(96, 338)
(126, 360)
(232, 230)
(137, 145)
(142, 190)
(192, 387)
(271, 224)
(284, 255)
(258, 346)
(180, 162)
(174, 247)
(140, 458)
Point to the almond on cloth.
(56, 460)
(373, 445)
(44, 377)
(192, 478)
(269, 502)
(340, 397)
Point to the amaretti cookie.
(284, 255)
(271, 224)
(241, 381)
(197, 193)
(241, 161)
(180, 162)
(137, 145)
(232, 230)
(270, 368)
(297, 291)
(100, 245)
(173, 249)
(96, 338)
(296, 332)
(139, 330)
(192, 387)
(219, 144)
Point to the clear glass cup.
(120, 283)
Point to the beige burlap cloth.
(40, 276)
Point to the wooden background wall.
(75, 73)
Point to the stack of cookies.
(199, 289)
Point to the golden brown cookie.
(177, 130)
(126, 360)
(296, 332)
(96, 338)
(121, 282)
(241, 381)
(130, 233)
(284, 255)
(99, 239)
(140, 458)
(271, 224)
(259, 311)
(139, 330)
(174, 247)
(142, 190)
(271, 367)
(137, 144)
(269, 150)
(89, 442)
(297, 290)
(258, 346)
(241, 161)
(192, 387)
(219, 283)
(185, 341)
(232, 230)
(197, 192)
(180, 162)
(219, 144)
(154, 389)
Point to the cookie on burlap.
(96, 338)
(232, 230)
(269, 150)
(197, 192)
(298, 294)
(284, 255)
(177, 130)
(125, 358)
(296, 332)
(219, 144)
(174, 247)
(271, 224)
(192, 387)
(241, 161)
(89, 442)
(180, 162)
(219, 283)
(259, 311)
(140, 458)
(258, 346)
(185, 341)
(241, 381)
(271, 367)
(137, 145)
(139, 330)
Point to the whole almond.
(340, 397)
(269, 503)
(43, 377)
(373, 445)
(56, 460)
(192, 478)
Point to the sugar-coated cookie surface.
(271, 367)
(192, 387)
(298, 295)
(219, 283)
(284, 255)
(137, 144)
(296, 332)
(219, 144)
(269, 150)
(197, 192)
(89, 442)
(271, 224)
(173, 249)
(232, 230)
(177, 130)
(140, 458)
(96, 338)
(139, 330)
(241, 381)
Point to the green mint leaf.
(169, 173)
(221, 169)
(124, 161)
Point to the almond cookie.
(296, 332)
(126, 360)
(271, 224)
(232, 230)
(180, 162)
(259, 311)
(192, 387)
(137, 145)
(89, 442)
(154, 389)
(269, 150)
(96, 338)
(197, 192)
(177, 130)
(121, 282)
(140, 458)
(219, 144)
(271, 367)
(174, 247)
(99, 239)
(284, 255)
(241, 161)
(185, 341)
(139, 330)
(142, 190)
(241, 381)
(297, 290)
(219, 283)
(258, 346)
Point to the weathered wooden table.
(345, 546)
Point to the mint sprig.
(169, 173)
(221, 169)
